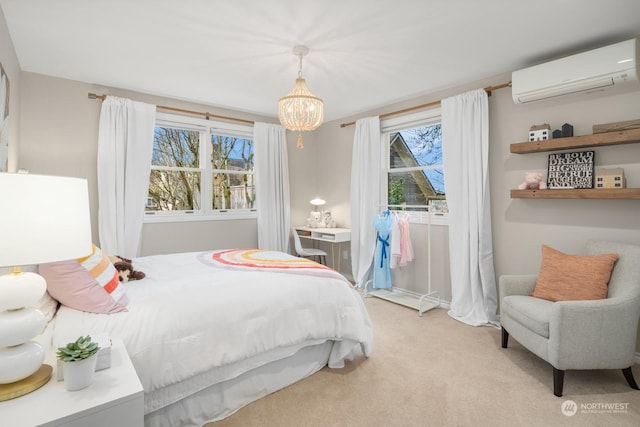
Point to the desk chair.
(308, 252)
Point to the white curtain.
(125, 144)
(272, 186)
(465, 152)
(365, 195)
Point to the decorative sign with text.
(570, 170)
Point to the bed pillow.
(566, 277)
(89, 284)
(47, 306)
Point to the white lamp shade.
(317, 201)
(19, 326)
(43, 219)
(20, 361)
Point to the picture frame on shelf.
(571, 170)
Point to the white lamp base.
(21, 369)
(21, 289)
(26, 385)
(19, 326)
(20, 361)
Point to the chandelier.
(300, 110)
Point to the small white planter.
(79, 374)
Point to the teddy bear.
(125, 269)
(314, 220)
(533, 181)
(327, 221)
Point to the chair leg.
(628, 375)
(558, 381)
(505, 338)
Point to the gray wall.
(11, 66)
(9, 62)
(59, 134)
(520, 226)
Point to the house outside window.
(200, 170)
(413, 168)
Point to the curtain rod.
(428, 104)
(180, 110)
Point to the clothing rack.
(420, 302)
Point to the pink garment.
(406, 249)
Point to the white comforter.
(191, 316)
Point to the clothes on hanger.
(406, 248)
(382, 257)
(393, 246)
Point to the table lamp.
(317, 202)
(42, 219)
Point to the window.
(413, 161)
(232, 166)
(200, 170)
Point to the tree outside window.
(232, 165)
(175, 176)
(182, 181)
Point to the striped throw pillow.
(103, 271)
(89, 284)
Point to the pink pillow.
(72, 284)
(102, 269)
(47, 306)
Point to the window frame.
(206, 129)
(404, 122)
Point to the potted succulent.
(78, 362)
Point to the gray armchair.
(577, 335)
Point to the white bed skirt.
(223, 399)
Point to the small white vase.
(79, 374)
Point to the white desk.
(115, 398)
(331, 235)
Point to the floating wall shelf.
(590, 193)
(585, 141)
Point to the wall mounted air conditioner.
(610, 68)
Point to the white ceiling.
(364, 54)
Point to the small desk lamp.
(42, 219)
(317, 202)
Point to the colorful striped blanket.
(252, 259)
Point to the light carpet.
(435, 371)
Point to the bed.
(210, 332)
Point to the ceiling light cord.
(300, 66)
(300, 55)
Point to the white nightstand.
(116, 398)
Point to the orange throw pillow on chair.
(566, 277)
